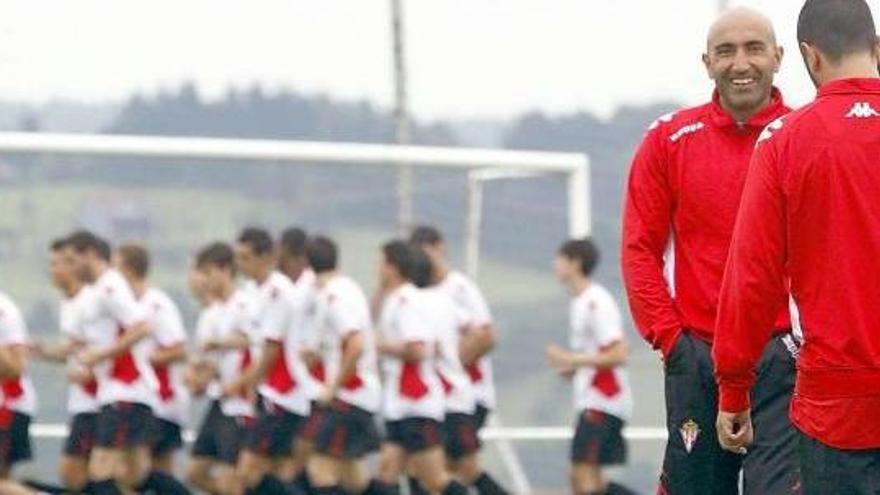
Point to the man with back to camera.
(810, 214)
(681, 202)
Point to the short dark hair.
(837, 27)
(104, 250)
(425, 235)
(421, 271)
(293, 242)
(583, 250)
(58, 244)
(217, 254)
(136, 258)
(258, 239)
(322, 253)
(82, 241)
(398, 254)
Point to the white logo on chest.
(862, 110)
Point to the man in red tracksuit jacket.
(811, 213)
(682, 198)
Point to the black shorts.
(274, 431)
(15, 440)
(167, 437)
(481, 415)
(414, 434)
(312, 426)
(825, 469)
(221, 437)
(460, 437)
(124, 425)
(346, 432)
(598, 439)
(81, 439)
(694, 462)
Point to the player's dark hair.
(421, 271)
(584, 251)
(322, 254)
(293, 242)
(83, 241)
(399, 255)
(425, 235)
(57, 245)
(837, 28)
(135, 258)
(258, 239)
(218, 254)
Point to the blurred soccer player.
(594, 363)
(350, 395)
(279, 373)
(166, 352)
(18, 400)
(460, 437)
(413, 396)
(224, 338)
(477, 341)
(126, 381)
(810, 214)
(294, 263)
(82, 402)
(681, 203)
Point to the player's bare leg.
(586, 478)
(198, 474)
(354, 476)
(392, 462)
(73, 471)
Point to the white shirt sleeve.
(168, 330)
(412, 328)
(13, 330)
(342, 317)
(605, 320)
(274, 320)
(120, 304)
(475, 304)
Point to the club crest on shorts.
(689, 430)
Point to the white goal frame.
(482, 165)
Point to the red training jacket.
(681, 202)
(811, 211)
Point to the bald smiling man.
(681, 203)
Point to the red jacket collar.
(776, 108)
(850, 86)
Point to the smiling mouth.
(743, 82)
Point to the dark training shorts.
(598, 439)
(125, 425)
(414, 434)
(81, 438)
(346, 432)
(694, 462)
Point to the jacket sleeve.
(647, 225)
(754, 281)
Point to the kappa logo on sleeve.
(771, 128)
(862, 110)
(663, 119)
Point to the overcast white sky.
(468, 58)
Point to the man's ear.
(811, 57)
(706, 64)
